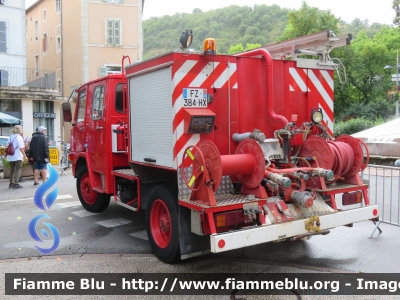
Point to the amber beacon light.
(210, 47)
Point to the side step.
(127, 205)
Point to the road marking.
(69, 204)
(60, 206)
(113, 222)
(140, 235)
(84, 213)
(59, 197)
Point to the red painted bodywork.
(91, 138)
(259, 93)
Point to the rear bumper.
(268, 233)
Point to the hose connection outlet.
(279, 179)
(303, 199)
(327, 174)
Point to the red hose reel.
(344, 156)
(208, 166)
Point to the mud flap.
(190, 244)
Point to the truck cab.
(99, 115)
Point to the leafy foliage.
(260, 24)
(376, 110)
(308, 20)
(239, 48)
(373, 46)
(368, 82)
(396, 7)
(351, 126)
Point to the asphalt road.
(120, 231)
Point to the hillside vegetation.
(260, 24)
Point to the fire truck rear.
(221, 151)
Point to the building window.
(12, 108)
(47, 121)
(58, 38)
(45, 43)
(58, 41)
(36, 30)
(58, 6)
(44, 15)
(36, 65)
(3, 37)
(113, 32)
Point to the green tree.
(308, 20)
(239, 48)
(367, 81)
(396, 7)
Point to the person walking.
(39, 152)
(16, 160)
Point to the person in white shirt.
(17, 159)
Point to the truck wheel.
(162, 224)
(91, 200)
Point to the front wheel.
(91, 200)
(162, 224)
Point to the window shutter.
(44, 44)
(110, 31)
(3, 37)
(102, 71)
(117, 32)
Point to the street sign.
(394, 77)
(53, 152)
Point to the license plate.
(194, 98)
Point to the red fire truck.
(221, 151)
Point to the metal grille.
(337, 186)
(223, 200)
(226, 186)
(125, 172)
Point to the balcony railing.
(13, 76)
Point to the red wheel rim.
(160, 224)
(87, 192)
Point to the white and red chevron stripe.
(195, 74)
(320, 81)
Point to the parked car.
(3, 142)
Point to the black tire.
(91, 200)
(168, 249)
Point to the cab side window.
(81, 106)
(98, 101)
(119, 107)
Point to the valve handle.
(197, 163)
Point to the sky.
(375, 11)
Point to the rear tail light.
(230, 218)
(351, 198)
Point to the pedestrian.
(39, 152)
(16, 160)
